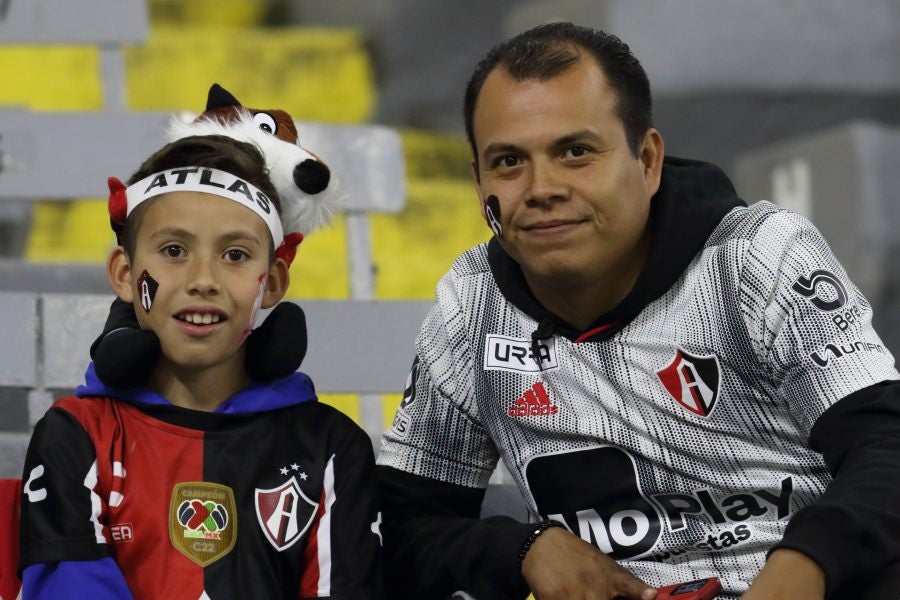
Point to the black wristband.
(538, 530)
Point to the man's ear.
(476, 179)
(653, 150)
(118, 271)
(276, 284)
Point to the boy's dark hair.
(214, 151)
(548, 50)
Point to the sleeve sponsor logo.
(829, 352)
(823, 290)
(692, 381)
(402, 420)
(503, 353)
(34, 495)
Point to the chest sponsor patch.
(284, 513)
(503, 353)
(692, 381)
(596, 494)
(202, 521)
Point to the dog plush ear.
(219, 97)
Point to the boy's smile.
(210, 259)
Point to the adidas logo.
(534, 402)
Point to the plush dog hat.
(303, 182)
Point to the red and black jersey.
(271, 504)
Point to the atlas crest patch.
(202, 521)
(692, 381)
(284, 513)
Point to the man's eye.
(577, 151)
(173, 251)
(506, 162)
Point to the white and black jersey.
(675, 434)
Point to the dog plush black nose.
(311, 176)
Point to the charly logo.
(612, 514)
(823, 289)
(519, 354)
(202, 521)
(693, 381)
(284, 513)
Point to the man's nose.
(546, 183)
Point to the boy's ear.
(118, 271)
(276, 284)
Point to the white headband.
(210, 181)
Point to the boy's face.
(201, 265)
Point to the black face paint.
(147, 287)
(492, 212)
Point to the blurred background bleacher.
(799, 101)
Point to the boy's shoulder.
(328, 419)
(85, 408)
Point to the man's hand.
(562, 566)
(788, 575)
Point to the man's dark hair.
(213, 151)
(548, 50)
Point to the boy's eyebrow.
(240, 234)
(228, 236)
(173, 232)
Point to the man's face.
(574, 200)
(207, 258)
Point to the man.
(685, 385)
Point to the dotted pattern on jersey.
(745, 465)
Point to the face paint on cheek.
(254, 313)
(492, 212)
(146, 288)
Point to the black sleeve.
(60, 519)
(355, 544)
(435, 544)
(854, 528)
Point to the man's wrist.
(538, 530)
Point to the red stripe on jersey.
(309, 582)
(589, 334)
(154, 455)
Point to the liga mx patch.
(202, 521)
(692, 381)
(284, 513)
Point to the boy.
(200, 484)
